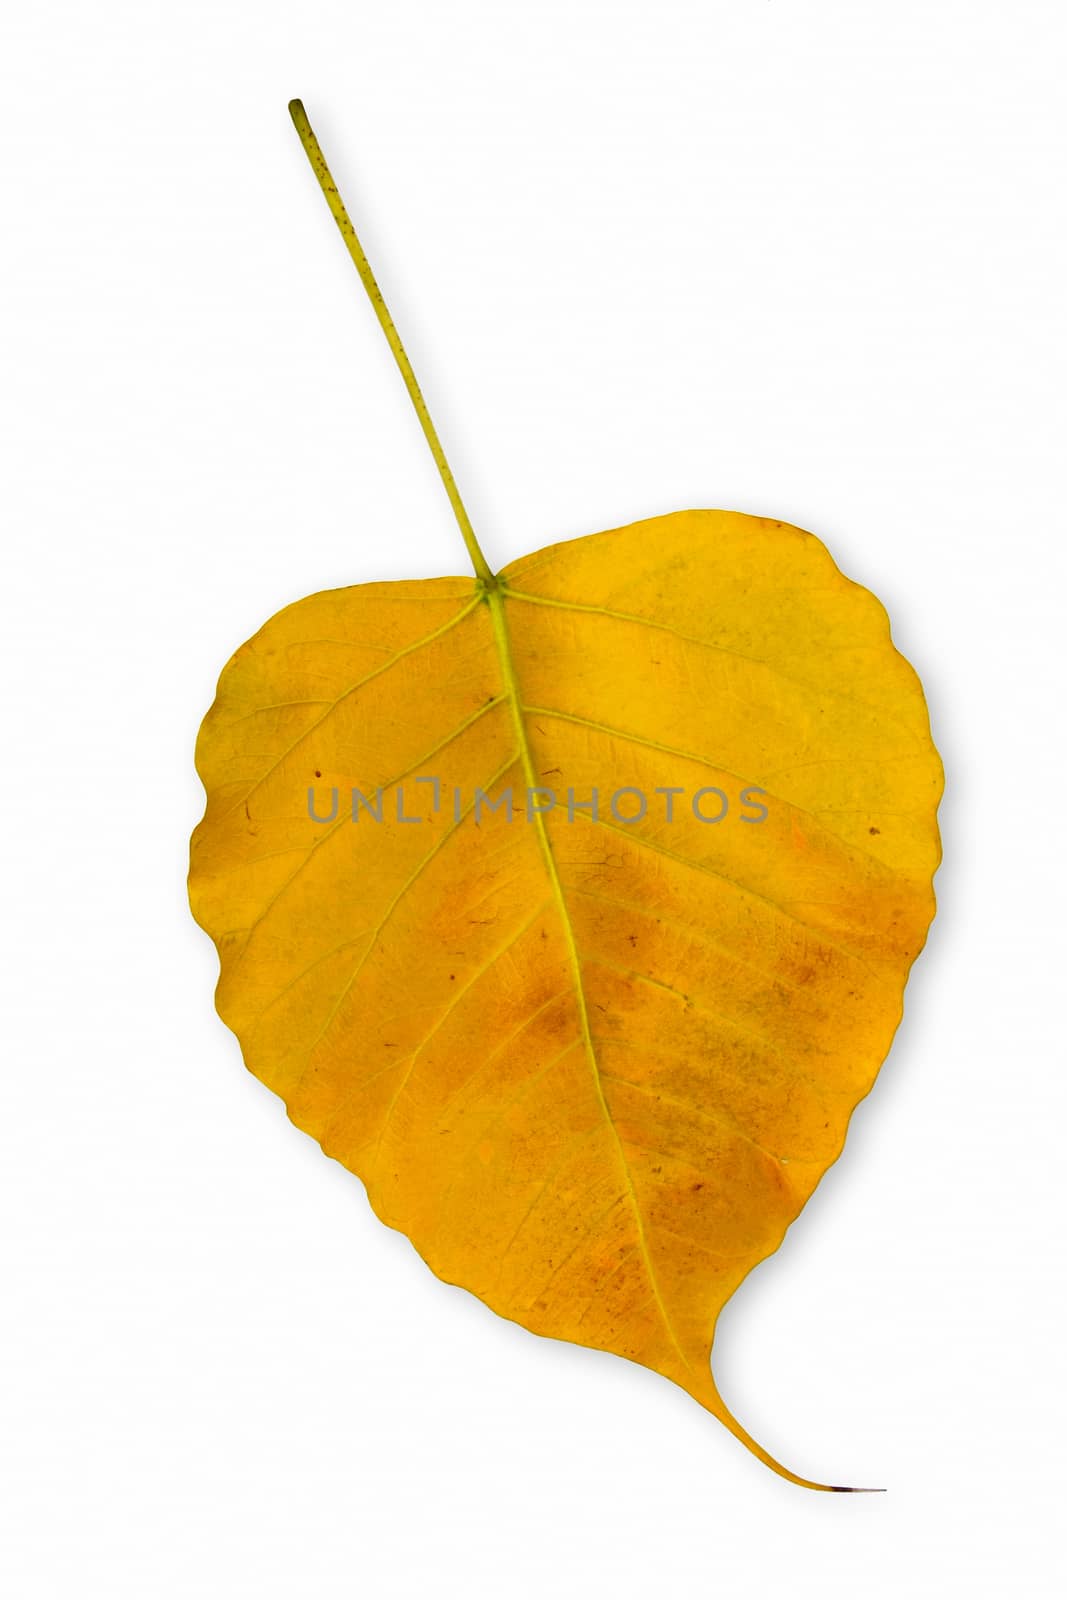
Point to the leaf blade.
(612, 1183)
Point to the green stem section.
(381, 311)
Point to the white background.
(797, 257)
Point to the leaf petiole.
(348, 233)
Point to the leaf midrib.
(502, 639)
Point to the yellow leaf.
(592, 1058)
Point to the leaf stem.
(362, 265)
